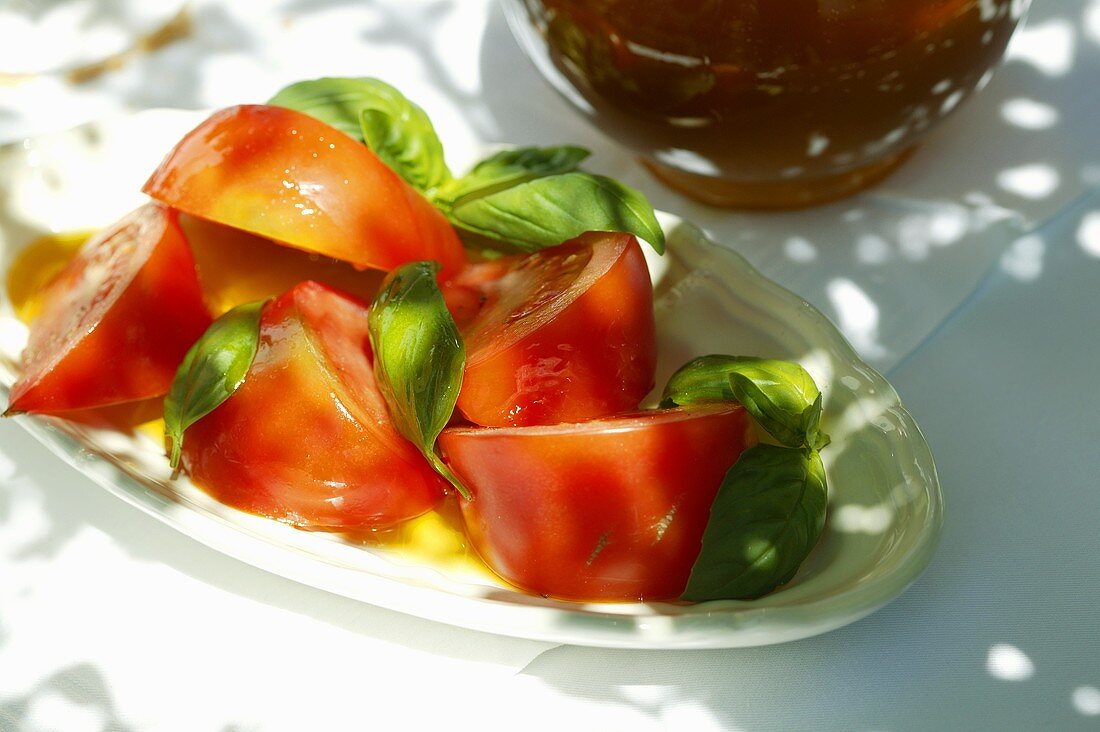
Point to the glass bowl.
(766, 103)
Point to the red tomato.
(289, 177)
(610, 509)
(117, 321)
(563, 335)
(307, 439)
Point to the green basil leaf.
(767, 516)
(776, 394)
(511, 167)
(372, 111)
(406, 141)
(544, 212)
(337, 102)
(419, 357)
(780, 395)
(212, 370)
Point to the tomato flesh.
(562, 335)
(611, 509)
(116, 322)
(306, 439)
(286, 176)
(236, 267)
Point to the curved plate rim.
(720, 624)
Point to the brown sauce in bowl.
(769, 92)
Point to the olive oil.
(436, 539)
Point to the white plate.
(885, 509)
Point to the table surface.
(112, 621)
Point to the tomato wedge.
(116, 322)
(236, 267)
(289, 177)
(611, 509)
(562, 335)
(306, 439)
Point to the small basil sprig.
(780, 395)
(212, 370)
(372, 111)
(770, 508)
(530, 198)
(511, 167)
(544, 212)
(767, 516)
(419, 357)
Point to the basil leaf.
(212, 370)
(419, 357)
(544, 212)
(511, 167)
(780, 395)
(767, 516)
(338, 102)
(406, 142)
(372, 111)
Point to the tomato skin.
(117, 321)
(554, 343)
(306, 439)
(612, 509)
(286, 176)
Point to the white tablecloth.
(971, 276)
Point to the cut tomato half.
(610, 509)
(117, 321)
(307, 439)
(289, 177)
(561, 335)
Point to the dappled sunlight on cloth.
(1009, 663)
(1088, 233)
(1086, 700)
(95, 595)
